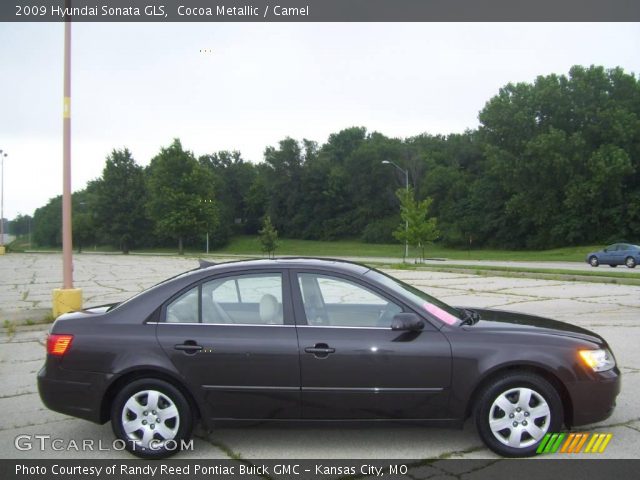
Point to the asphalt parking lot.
(26, 281)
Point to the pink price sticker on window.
(440, 314)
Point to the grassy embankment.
(246, 245)
(249, 246)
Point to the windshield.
(437, 308)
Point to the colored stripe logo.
(574, 443)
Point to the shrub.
(381, 231)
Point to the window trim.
(224, 324)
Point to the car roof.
(333, 264)
(624, 244)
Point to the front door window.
(336, 302)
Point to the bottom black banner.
(329, 469)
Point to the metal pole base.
(66, 300)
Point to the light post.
(67, 298)
(3, 155)
(67, 254)
(406, 223)
(207, 202)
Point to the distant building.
(8, 239)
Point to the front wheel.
(152, 418)
(593, 261)
(630, 262)
(514, 413)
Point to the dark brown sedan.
(308, 339)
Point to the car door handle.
(320, 350)
(188, 347)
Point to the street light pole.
(67, 255)
(205, 202)
(406, 222)
(67, 298)
(3, 155)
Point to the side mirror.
(606, 249)
(407, 321)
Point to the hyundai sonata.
(308, 339)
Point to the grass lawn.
(247, 245)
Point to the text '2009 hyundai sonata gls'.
(309, 339)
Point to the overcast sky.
(141, 85)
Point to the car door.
(233, 340)
(610, 255)
(353, 366)
(622, 252)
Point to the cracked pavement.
(26, 281)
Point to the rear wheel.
(152, 418)
(514, 413)
(593, 261)
(630, 262)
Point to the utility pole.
(3, 155)
(67, 298)
(206, 202)
(67, 238)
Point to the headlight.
(599, 360)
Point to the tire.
(172, 421)
(593, 261)
(501, 399)
(613, 266)
(630, 262)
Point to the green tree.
(256, 199)
(268, 237)
(285, 195)
(565, 153)
(47, 220)
(21, 225)
(417, 227)
(83, 220)
(233, 178)
(555, 161)
(177, 184)
(119, 203)
(47, 223)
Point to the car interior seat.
(270, 310)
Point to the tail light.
(58, 344)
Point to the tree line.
(553, 162)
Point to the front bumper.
(594, 400)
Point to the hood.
(500, 320)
